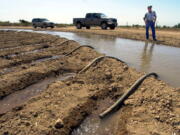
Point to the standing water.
(143, 56)
(112, 125)
(20, 97)
(146, 57)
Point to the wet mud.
(42, 105)
(20, 97)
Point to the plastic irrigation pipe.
(96, 60)
(133, 88)
(79, 48)
(121, 100)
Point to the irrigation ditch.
(61, 88)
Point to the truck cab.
(42, 22)
(95, 19)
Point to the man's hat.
(149, 6)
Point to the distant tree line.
(27, 23)
(158, 26)
(20, 23)
(177, 26)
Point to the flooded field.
(145, 57)
(20, 97)
(49, 92)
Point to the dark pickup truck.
(95, 19)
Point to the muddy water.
(146, 57)
(143, 56)
(19, 97)
(93, 125)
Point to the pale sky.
(63, 11)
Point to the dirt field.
(166, 37)
(153, 110)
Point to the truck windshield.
(103, 16)
(44, 20)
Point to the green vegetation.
(20, 23)
(26, 23)
(158, 26)
(177, 26)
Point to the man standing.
(150, 19)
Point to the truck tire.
(104, 26)
(88, 27)
(35, 26)
(78, 26)
(112, 27)
(45, 26)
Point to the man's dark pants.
(152, 25)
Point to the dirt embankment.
(152, 110)
(166, 36)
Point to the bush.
(165, 27)
(177, 26)
(24, 23)
(6, 23)
(136, 26)
(20, 23)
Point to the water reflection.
(147, 54)
(164, 60)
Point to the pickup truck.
(42, 22)
(95, 19)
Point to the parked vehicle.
(95, 19)
(42, 22)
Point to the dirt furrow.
(28, 39)
(18, 80)
(60, 109)
(17, 51)
(30, 57)
(79, 96)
